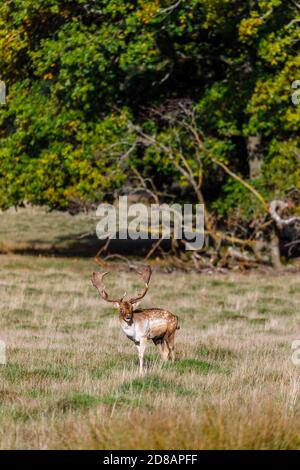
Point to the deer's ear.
(135, 306)
(116, 304)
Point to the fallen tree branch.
(244, 183)
(276, 206)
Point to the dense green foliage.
(78, 71)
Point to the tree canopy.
(81, 75)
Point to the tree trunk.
(275, 250)
(255, 156)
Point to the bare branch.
(244, 183)
(153, 249)
(276, 206)
(171, 8)
(297, 5)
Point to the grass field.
(36, 230)
(71, 378)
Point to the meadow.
(71, 378)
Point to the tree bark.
(255, 156)
(275, 250)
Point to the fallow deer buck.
(143, 324)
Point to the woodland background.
(187, 100)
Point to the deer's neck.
(129, 328)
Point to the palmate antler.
(97, 281)
(145, 274)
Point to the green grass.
(184, 366)
(15, 372)
(39, 225)
(216, 353)
(154, 384)
(77, 401)
(295, 289)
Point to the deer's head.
(125, 305)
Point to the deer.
(141, 325)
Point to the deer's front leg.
(141, 350)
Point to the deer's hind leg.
(166, 350)
(162, 347)
(166, 346)
(170, 341)
(159, 345)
